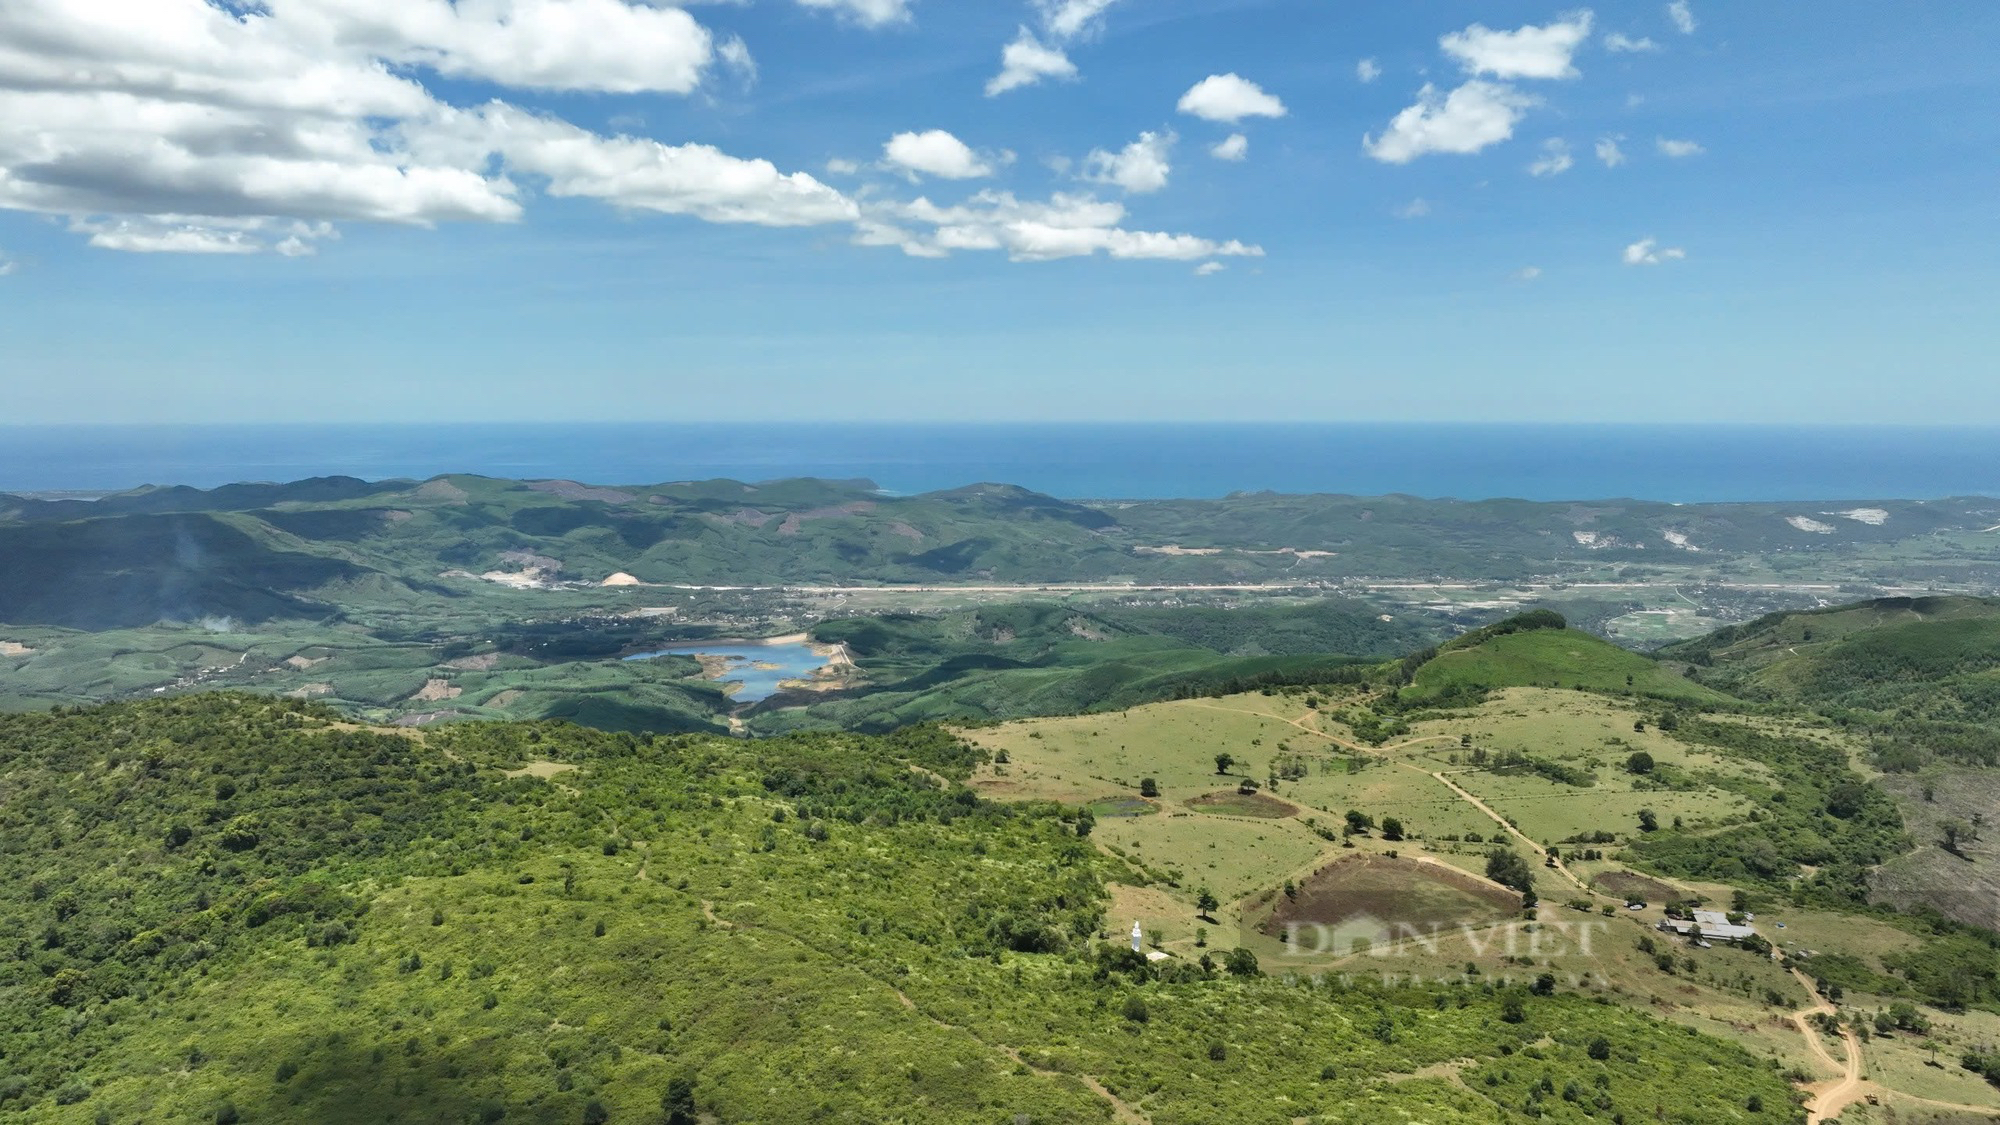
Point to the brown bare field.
(1230, 802)
(1394, 892)
(1633, 886)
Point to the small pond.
(752, 672)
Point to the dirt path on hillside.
(1830, 1098)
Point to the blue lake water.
(753, 684)
(1687, 463)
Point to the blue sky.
(356, 210)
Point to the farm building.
(1711, 924)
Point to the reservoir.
(752, 672)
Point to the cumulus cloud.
(1618, 43)
(176, 126)
(1678, 150)
(1609, 153)
(935, 153)
(1228, 99)
(1649, 252)
(1555, 159)
(1235, 146)
(867, 13)
(1473, 117)
(840, 166)
(1682, 17)
(173, 125)
(1209, 269)
(1027, 61)
(1367, 70)
(1527, 52)
(1067, 226)
(1139, 168)
(1072, 19)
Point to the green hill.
(234, 910)
(1546, 657)
(1921, 674)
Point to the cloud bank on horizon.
(240, 127)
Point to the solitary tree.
(1639, 762)
(1648, 822)
(1205, 903)
(1358, 821)
(1955, 834)
(1223, 761)
(1148, 787)
(1392, 829)
(1241, 963)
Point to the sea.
(1673, 463)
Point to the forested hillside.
(229, 909)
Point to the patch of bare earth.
(505, 699)
(622, 579)
(906, 531)
(441, 490)
(422, 718)
(1234, 803)
(485, 662)
(14, 648)
(304, 662)
(542, 771)
(438, 691)
(310, 691)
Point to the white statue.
(1138, 937)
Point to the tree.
(1600, 1048)
(1956, 832)
(1648, 822)
(1135, 1010)
(1241, 963)
(1512, 1008)
(1639, 762)
(1148, 787)
(1223, 761)
(1392, 829)
(1506, 867)
(1670, 721)
(1358, 822)
(678, 1102)
(1205, 903)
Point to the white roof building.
(1708, 924)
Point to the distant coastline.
(1670, 463)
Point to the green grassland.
(237, 910)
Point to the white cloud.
(603, 46)
(1414, 209)
(1025, 62)
(1067, 226)
(1609, 153)
(1528, 273)
(174, 125)
(1528, 52)
(633, 174)
(1072, 19)
(1473, 117)
(1235, 146)
(1678, 150)
(841, 166)
(1229, 98)
(1138, 168)
(1683, 16)
(1649, 252)
(735, 54)
(1209, 269)
(1555, 159)
(935, 153)
(1367, 70)
(7, 265)
(1619, 43)
(867, 13)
